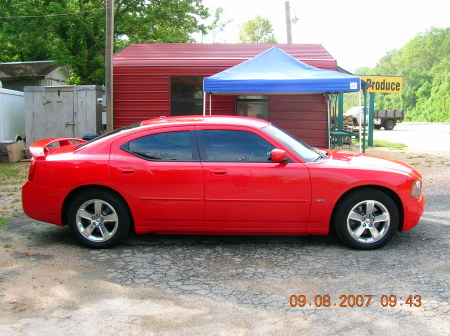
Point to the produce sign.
(384, 84)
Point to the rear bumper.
(42, 203)
(413, 211)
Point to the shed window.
(186, 95)
(253, 106)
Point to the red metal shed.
(153, 80)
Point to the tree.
(258, 30)
(218, 25)
(73, 31)
(424, 64)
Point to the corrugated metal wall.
(142, 83)
(304, 116)
(139, 95)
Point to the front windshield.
(306, 152)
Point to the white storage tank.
(12, 122)
(69, 111)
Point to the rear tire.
(389, 124)
(99, 219)
(366, 219)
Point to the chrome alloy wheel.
(97, 220)
(368, 221)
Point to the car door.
(161, 173)
(245, 192)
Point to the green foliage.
(78, 40)
(258, 30)
(217, 24)
(424, 64)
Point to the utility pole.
(288, 22)
(109, 47)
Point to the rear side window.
(234, 146)
(169, 146)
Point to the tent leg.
(360, 117)
(328, 97)
(210, 104)
(204, 103)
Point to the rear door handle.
(127, 171)
(219, 171)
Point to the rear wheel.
(366, 219)
(389, 124)
(99, 219)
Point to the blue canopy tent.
(276, 72)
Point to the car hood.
(363, 161)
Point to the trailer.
(382, 118)
(387, 118)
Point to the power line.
(47, 15)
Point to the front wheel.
(99, 219)
(366, 219)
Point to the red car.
(217, 175)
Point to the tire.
(366, 230)
(377, 127)
(99, 219)
(389, 124)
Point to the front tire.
(99, 219)
(366, 219)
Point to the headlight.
(416, 188)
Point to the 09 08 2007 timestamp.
(351, 300)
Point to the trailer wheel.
(377, 126)
(389, 124)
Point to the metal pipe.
(109, 48)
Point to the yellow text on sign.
(384, 84)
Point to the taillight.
(32, 169)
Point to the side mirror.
(278, 155)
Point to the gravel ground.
(222, 285)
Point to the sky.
(356, 33)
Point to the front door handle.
(127, 171)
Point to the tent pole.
(328, 97)
(204, 103)
(210, 104)
(360, 131)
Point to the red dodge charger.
(217, 175)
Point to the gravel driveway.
(419, 136)
(222, 285)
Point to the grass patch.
(389, 144)
(13, 173)
(4, 221)
(12, 177)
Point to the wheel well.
(70, 197)
(387, 191)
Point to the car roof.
(175, 121)
(206, 120)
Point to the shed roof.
(35, 69)
(210, 55)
